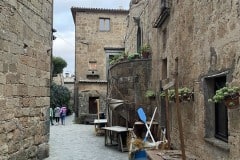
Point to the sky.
(64, 45)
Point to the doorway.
(93, 105)
(216, 113)
(221, 117)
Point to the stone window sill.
(218, 143)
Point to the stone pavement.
(79, 142)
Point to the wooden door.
(221, 117)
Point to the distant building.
(99, 34)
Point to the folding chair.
(143, 118)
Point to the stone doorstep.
(168, 155)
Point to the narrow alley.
(79, 142)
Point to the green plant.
(146, 48)
(133, 56)
(184, 93)
(58, 65)
(150, 94)
(117, 58)
(225, 93)
(145, 51)
(59, 95)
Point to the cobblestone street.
(79, 142)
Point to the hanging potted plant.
(146, 51)
(184, 93)
(228, 95)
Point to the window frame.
(104, 24)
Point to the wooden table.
(99, 124)
(121, 133)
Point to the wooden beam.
(169, 85)
(179, 111)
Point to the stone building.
(25, 56)
(200, 41)
(99, 35)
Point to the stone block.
(22, 89)
(8, 90)
(12, 78)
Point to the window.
(164, 39)
(139, 39)
(104, 24)
(164, 68)
(111, 52)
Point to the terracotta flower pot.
(232, 102)
(146, 55)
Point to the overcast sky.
(64, 46)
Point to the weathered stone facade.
(128, 81)
(99, 34)
(25, 56)
(204, 36)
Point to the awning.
(114, 103)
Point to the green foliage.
(224, 93)
(146, 48)
(133, 56)
(150, 93)
(184, 93)
(117, 58)
(60, 95)
(58, 65)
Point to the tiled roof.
(83, 9)
(96, 10)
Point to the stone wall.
(204, 36)
(25, 51)
(129, 81)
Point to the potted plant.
(184, 93)
(228, 95)
(146, 51)
(150, 94)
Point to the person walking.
(63, 113)
(57, 114)
(51, 115)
